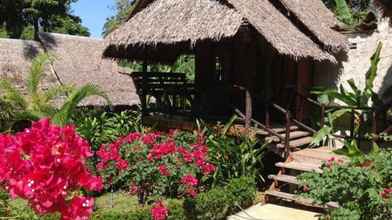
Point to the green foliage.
(343, 12)
(356, 186)
(220, 202)
(235, 157)
(105, 127)
(353, 98)
(39, 103)
(123, 9)
(23, 18)
(120, 205)
(350, 12)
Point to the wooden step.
(288, 197)
(279, 130)
(293, 135)
(284, 178)
(297, 142)
(300, 166)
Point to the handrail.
(270, 131)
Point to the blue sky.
(94, 14)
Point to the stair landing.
(274, 212)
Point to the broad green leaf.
(321, 135)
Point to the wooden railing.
(171, 93)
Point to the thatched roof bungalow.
(77, 61)
(262, 45)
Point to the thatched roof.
(78, 61)
(319, 20)
(15, 62)
(172, 21)
(157, 24)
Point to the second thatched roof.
(285, 24)
(77, 61)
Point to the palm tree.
(38, 103)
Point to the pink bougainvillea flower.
(79, 208)
(163, 170)
(45, 165)
(159, 211)
(189, 180)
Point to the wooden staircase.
(298, 138)
(285, 183)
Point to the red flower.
(122, 164)
(386, 193)
(80, 208)
(163, 170)
(189, 180)
(190, 191)
(133, 189)
(45, 165)
(185, 154)
(208, 168)
(159, 211)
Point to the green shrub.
(360, 189)
(220, 202)
(104, 127)
(176, 209)
(235, 157)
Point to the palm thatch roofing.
(77, 61)
(171, 24)
(15, 62)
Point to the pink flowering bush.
(155, 165)
(45, 165)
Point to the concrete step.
(300, 166)
(284, 178)
(293, 135)
(297, 142)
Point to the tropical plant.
(105, 127)
(39, 103)
(234, 156)
(355, 101)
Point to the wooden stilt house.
(250, 55)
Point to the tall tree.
(123, 9)
(24, 18)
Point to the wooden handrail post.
(287, 137)
(248, 110)
(267, 115)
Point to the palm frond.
(57, 91)
(36, 72)
(63, 116)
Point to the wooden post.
(248, 109)
(144, 95)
